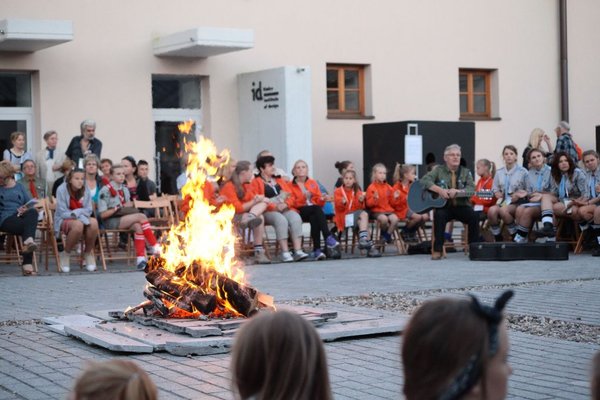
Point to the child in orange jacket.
(349, 203)
(404, 176)
(307, 199)
(249, 206)
(486, 171)
(381, 199)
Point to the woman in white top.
(49, 160)
(17, 154)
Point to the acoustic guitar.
(421, 200)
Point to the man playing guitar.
(449, 181)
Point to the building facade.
(300, 79)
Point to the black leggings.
(25, 225)
(318, 223)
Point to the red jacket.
(484, 184)
(228, 191)
(298, 198)
(341, 209)
(401, 204)
(385, 203)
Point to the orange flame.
(205, 236)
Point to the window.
(345, 90)
(475, 95)
(169, 91)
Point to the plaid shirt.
(565, 144)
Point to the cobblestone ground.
(38, 364)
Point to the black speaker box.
(384, 143)
(554, 251)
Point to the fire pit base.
(182, 337)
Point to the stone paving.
(38, 364)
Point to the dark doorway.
(170, 151)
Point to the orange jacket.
(298, 198)
(401, 204)
(341, 209)
(484, 184)
(385, 202)
(228, 191)
(257, 186)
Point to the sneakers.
(373, 252)
(261, 258)
(409, 236)
(141, 266)
(386, 237)
(364, 244)
(318, 255)
(520, 239)
(333, 247)
(65, 261)
(286, 257)
(90, 262)
(249, 221)
(29, 246)
(299, 255)
(547, 231)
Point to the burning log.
(186, 297)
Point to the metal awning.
(203, 42)
(28, 35)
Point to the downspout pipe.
(564, 61)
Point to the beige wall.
(414, 48)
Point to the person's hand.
(327, 197)
(281, 207)
(361, 198)
(344, 201)
(396, 194)
(546, 138)
(581, 201)
(21, 210)
(535, 197)
(452, 193)
(376, 195)
(444, 193)
(258, 198)
(499, 194)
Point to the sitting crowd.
(92, 192)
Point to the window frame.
(470, 113)
(341, 90)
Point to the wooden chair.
(175, 201)
(52, 241)
(13, 250)
(163, 218)
(49, 247)
(571, 236)
(380, 243)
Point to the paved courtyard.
(38, 364)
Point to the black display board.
(384, 142)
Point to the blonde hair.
(401, 170)
(15, 135)
(375, 168)
(114, 379)
(296, 164)
(291, 357)
(7, 170)
(535, 138)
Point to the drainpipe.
(564, 62)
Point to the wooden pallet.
(182, 337)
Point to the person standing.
(448, 181)
(84, 144)
(17, 154)
(564, 142)
(49, 160)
